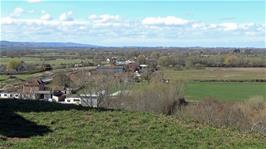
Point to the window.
(76, 100)
(68, 100)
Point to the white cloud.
(113, 27)
(7, 21)
(212, 26)
(34, 1)
(250, 33)
(46, 17)
(169, 20)
(198, 25)
(204, 26)
(17, 12)
(229, 26)
(106, 20)
(66, 16)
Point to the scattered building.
(108, 60)
(47, 80)
(132, 67)
(58, 96)
(35, 89)
(46, 67)
(78, 65)
(22, 67)
(2, 68)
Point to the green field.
(230, 91)
(36, 60)
(3, 77)
(216, 74)
(33, 124)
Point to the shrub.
(249, 116)
(157, 97)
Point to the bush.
(156, 97)
(249, 116)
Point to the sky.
(136, 23)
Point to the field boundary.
(255, 80)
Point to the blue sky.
(136, 23)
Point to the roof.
(110, 68)
(58, 93)
(46, 80)
(34, 82)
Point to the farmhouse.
(47, 80)
(120, 63)
(46, 67)
(132, 67)
(35, 89)
(58, 96)
(78, 65)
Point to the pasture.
(39, 60)
(216, 74)
(228, 84)
(226, 91)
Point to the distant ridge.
(43, 45)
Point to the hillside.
(32, 124)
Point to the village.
(65, 86)
(132, 74)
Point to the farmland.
(228, 84)
(132, 75)
(39, 60)
(51, 125)
(226, 91)
(217, 74)
(147, 114)
(202, 83)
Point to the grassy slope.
(225, 90)
(72, 127)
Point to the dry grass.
(156, 97)
(249, 116)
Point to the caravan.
(72, 100)
(9, 96)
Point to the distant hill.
(42, 45)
